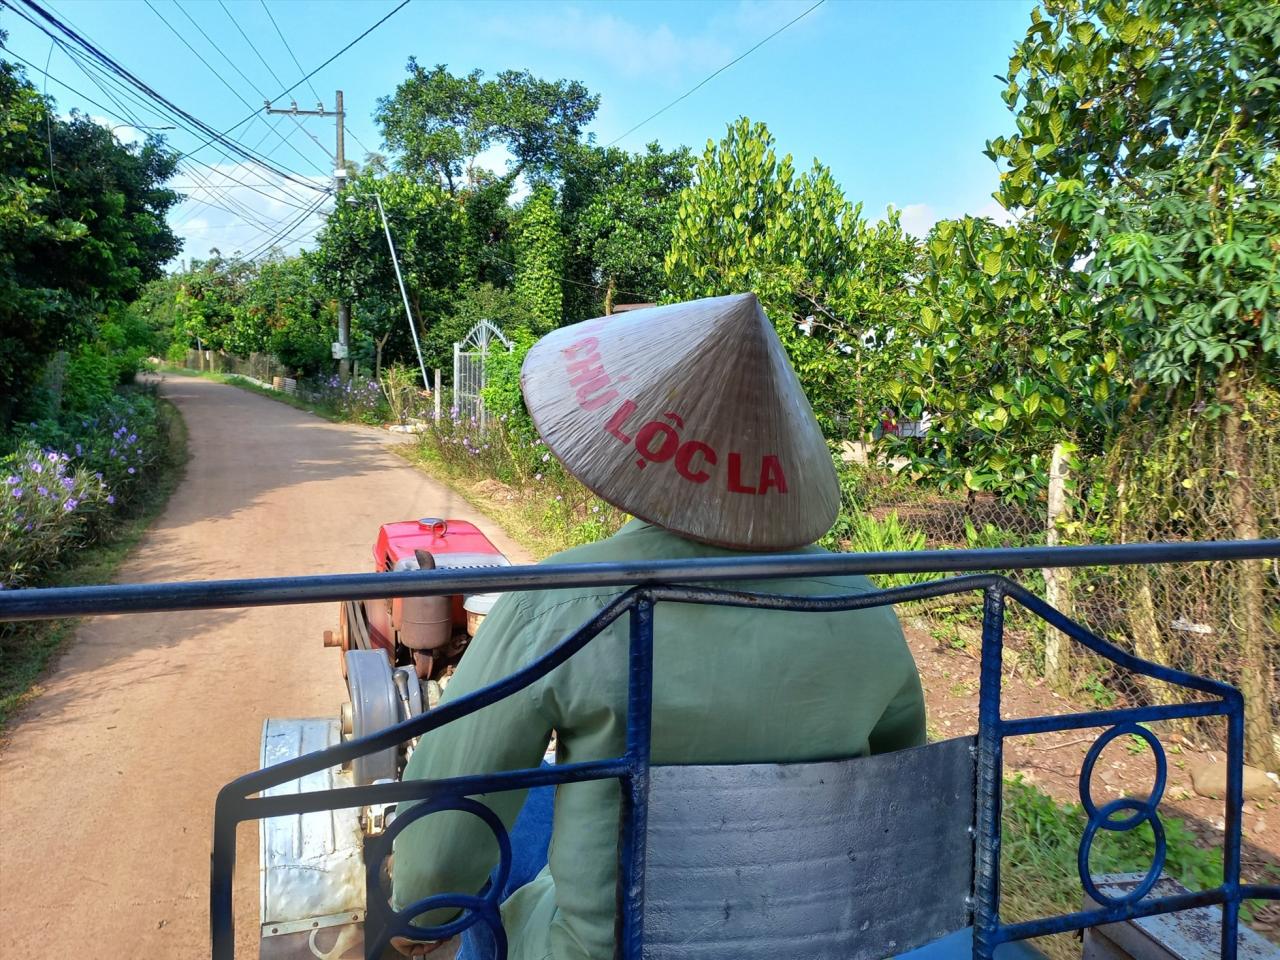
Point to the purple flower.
(17, 493)
(43, 491)
(131, 470)
(98, 475)
(27, 528)
(52, 456)
(71, 505)
(113, 452)
(131, 439)
(35, 466)
(111, 498)
(12, 481)
(79, 450)
(68, 482)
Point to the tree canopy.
(438, 123)
(82, 228)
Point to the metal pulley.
(375, 705)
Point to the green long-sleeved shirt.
(731, 685)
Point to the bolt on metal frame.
(653, 582)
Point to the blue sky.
(897, 98)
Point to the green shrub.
(402, 388)
(47, 505)
(90, 378)
(177, 354)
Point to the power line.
(124, 114)
(289, 89)
(280, 34)
(252, 46)
(366, 150)
(263, 60)
(177, 112)
(92, 71)
(223, 80)
(90, 68)
(708, 79)
(284, 235)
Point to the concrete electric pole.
(341, 349)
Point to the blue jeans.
(530, 839)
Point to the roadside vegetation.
(87, 456)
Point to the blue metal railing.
(655, 582)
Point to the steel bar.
(50, 603)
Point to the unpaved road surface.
(108, 779)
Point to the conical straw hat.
(688, 416)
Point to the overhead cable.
(223, 80)
(116, 68)
(287, 90)
(280, 34)
(703, 82)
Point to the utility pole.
(341, 349)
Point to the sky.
(897, 98)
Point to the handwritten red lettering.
(580, 371)
(589, 402)
(585, 345)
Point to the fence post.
(1057, 580)
(436, 394)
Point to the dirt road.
(108, 780)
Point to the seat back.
(844, 860)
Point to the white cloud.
(637, 50)
(993, 211)
(918, 218)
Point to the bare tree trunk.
(1255, 677)
(377, 355)
(1057, 580)
(608, 297)
(1148, 643)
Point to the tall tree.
(433, 243)
(619, 214)
(82, 228)
(838, 289)
(540, 250)
(439, 123)
(1145, 155)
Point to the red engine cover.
(396, 541)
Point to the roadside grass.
(32, 646)
(328, 411)
(231, 379)
(1039, 873)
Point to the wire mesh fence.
(1181, 481)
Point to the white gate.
(468, 370)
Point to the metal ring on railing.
(1144, 811)
(1157, 789)
(399, 923)
(1144, 814)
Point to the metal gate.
(468, 370)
